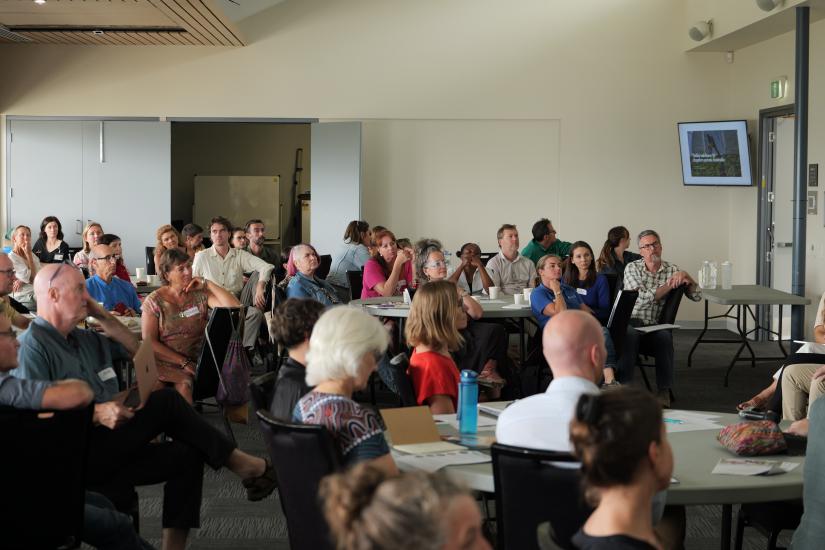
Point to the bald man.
(113, 292)
(574, 349)
(7, 279)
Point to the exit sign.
(779, 87)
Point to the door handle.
(78, 227)
(784, 245)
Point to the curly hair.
(292, 321)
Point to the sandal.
(258, 488)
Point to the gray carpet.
(229, 521)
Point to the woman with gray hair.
(367, 509)
(343, 352)
(305, 284)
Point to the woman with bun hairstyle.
(366, 509)
(620, 439)
(614, 255)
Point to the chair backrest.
(150, 260)
(485, 256)
(324, 265)
(393, 372)
(356, 284)
(44, 476)
(671, 306)
(531, 489)
(219, 332)
(612, 283)
(620, 317)
(301, 454)
(261, 389)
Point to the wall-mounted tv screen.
(715, 153)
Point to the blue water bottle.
(468, 402)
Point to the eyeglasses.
(55, 274)
(436, 264)
(10, 333)
(109, 258)
(650, 246)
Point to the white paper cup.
(493, 292)
(140, 273)
(154, 279)
(526, 292)
(518, 299)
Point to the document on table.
(432, 462)
(752, 467)
(689, 421)
(516, 306)
(654, 328)
(450, 420)
(493, 408)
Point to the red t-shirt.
(374, 274)
(433, 374)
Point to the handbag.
(233, 378)
(749, 438)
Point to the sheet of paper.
(486, 301)
(654, 328)
(434, 462)
(688, 421)
(810, 347)
(450, 419)
(493, 408)
(752, 467)
(516, 306)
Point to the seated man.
(811, 531)
(256, 235)
(226, 266)
(654, 279)
(116, 294)
(545, 242)
(508, 270)
(291, 326)
(122, 453)
(6, 287)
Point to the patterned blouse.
(180, 327)
(358, 432)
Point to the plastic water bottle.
(714, 275)
(468, 402)
(727, 275)
(704, 274)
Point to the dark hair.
(250, 222)
(46, 221)
(540, 229)
(352, 234)
(170, 258)
(614, 237)
(611, 433)
(571, 272)
(108, 238)
(464, 247)
(285, 253)
(191, 229)
(292, 321)
(222, 221)
(503, 228)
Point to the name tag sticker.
(582, 291)
(107, 374)
(58, 257)
(191, 312)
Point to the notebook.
(412, 430)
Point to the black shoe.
(258, 488)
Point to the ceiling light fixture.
(700, 30)
(98, 31)
(40, 2)
(768, 5)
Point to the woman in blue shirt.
(305, 284)
(591, 287)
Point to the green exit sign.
(779, 87)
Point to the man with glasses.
(654, 279)
(7, 279)
(116, 294)
(545, 242)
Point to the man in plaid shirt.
(654, 279)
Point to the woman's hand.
(195, 283)
(404, 256)
(555, 286)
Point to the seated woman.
(620, 438)
(484, 345)
(367, 509)
(90, 237)
(50, 248)
(350, 256)
(121, 271)
(471, 275)
(239, 239)
(544, 303)
(343, 348)
(174, 319)
(389, 271)
(614, 255)
(192, 235)
(305, 284)
(168, 238)
(291, 327)
(431, 329)
(592, 288)
(26, 264)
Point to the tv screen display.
(715, 153)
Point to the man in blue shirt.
(115, 293)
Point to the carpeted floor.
(230, 522)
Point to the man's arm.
(197, 264)
(633, 281)
(492, 271)
(67, 394)
(250, 262)
(113, 328)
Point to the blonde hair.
(159, 248)
(544, 259)
(433, 317)
(86, 247)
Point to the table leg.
(699, 339)
(744, 338)
(727, 520)
(779, 336)
(521, 343)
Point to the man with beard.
(255, 233)
(654, 279)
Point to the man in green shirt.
(545, 242)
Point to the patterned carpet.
(230, 522)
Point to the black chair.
(769, 518)
(43, 476)
(18, 307)
(324, 265)
(302, 454)
(666, 317)
(356, 284)
(485, 256)
(612, 284)
(620, 318)
(531, 489)
(393, 373)
(150, 260)
(261, 390)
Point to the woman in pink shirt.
(389, 272)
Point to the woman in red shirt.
(431, 329)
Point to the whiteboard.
(239, 198)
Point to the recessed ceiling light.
(40, 2)
(98, 31)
